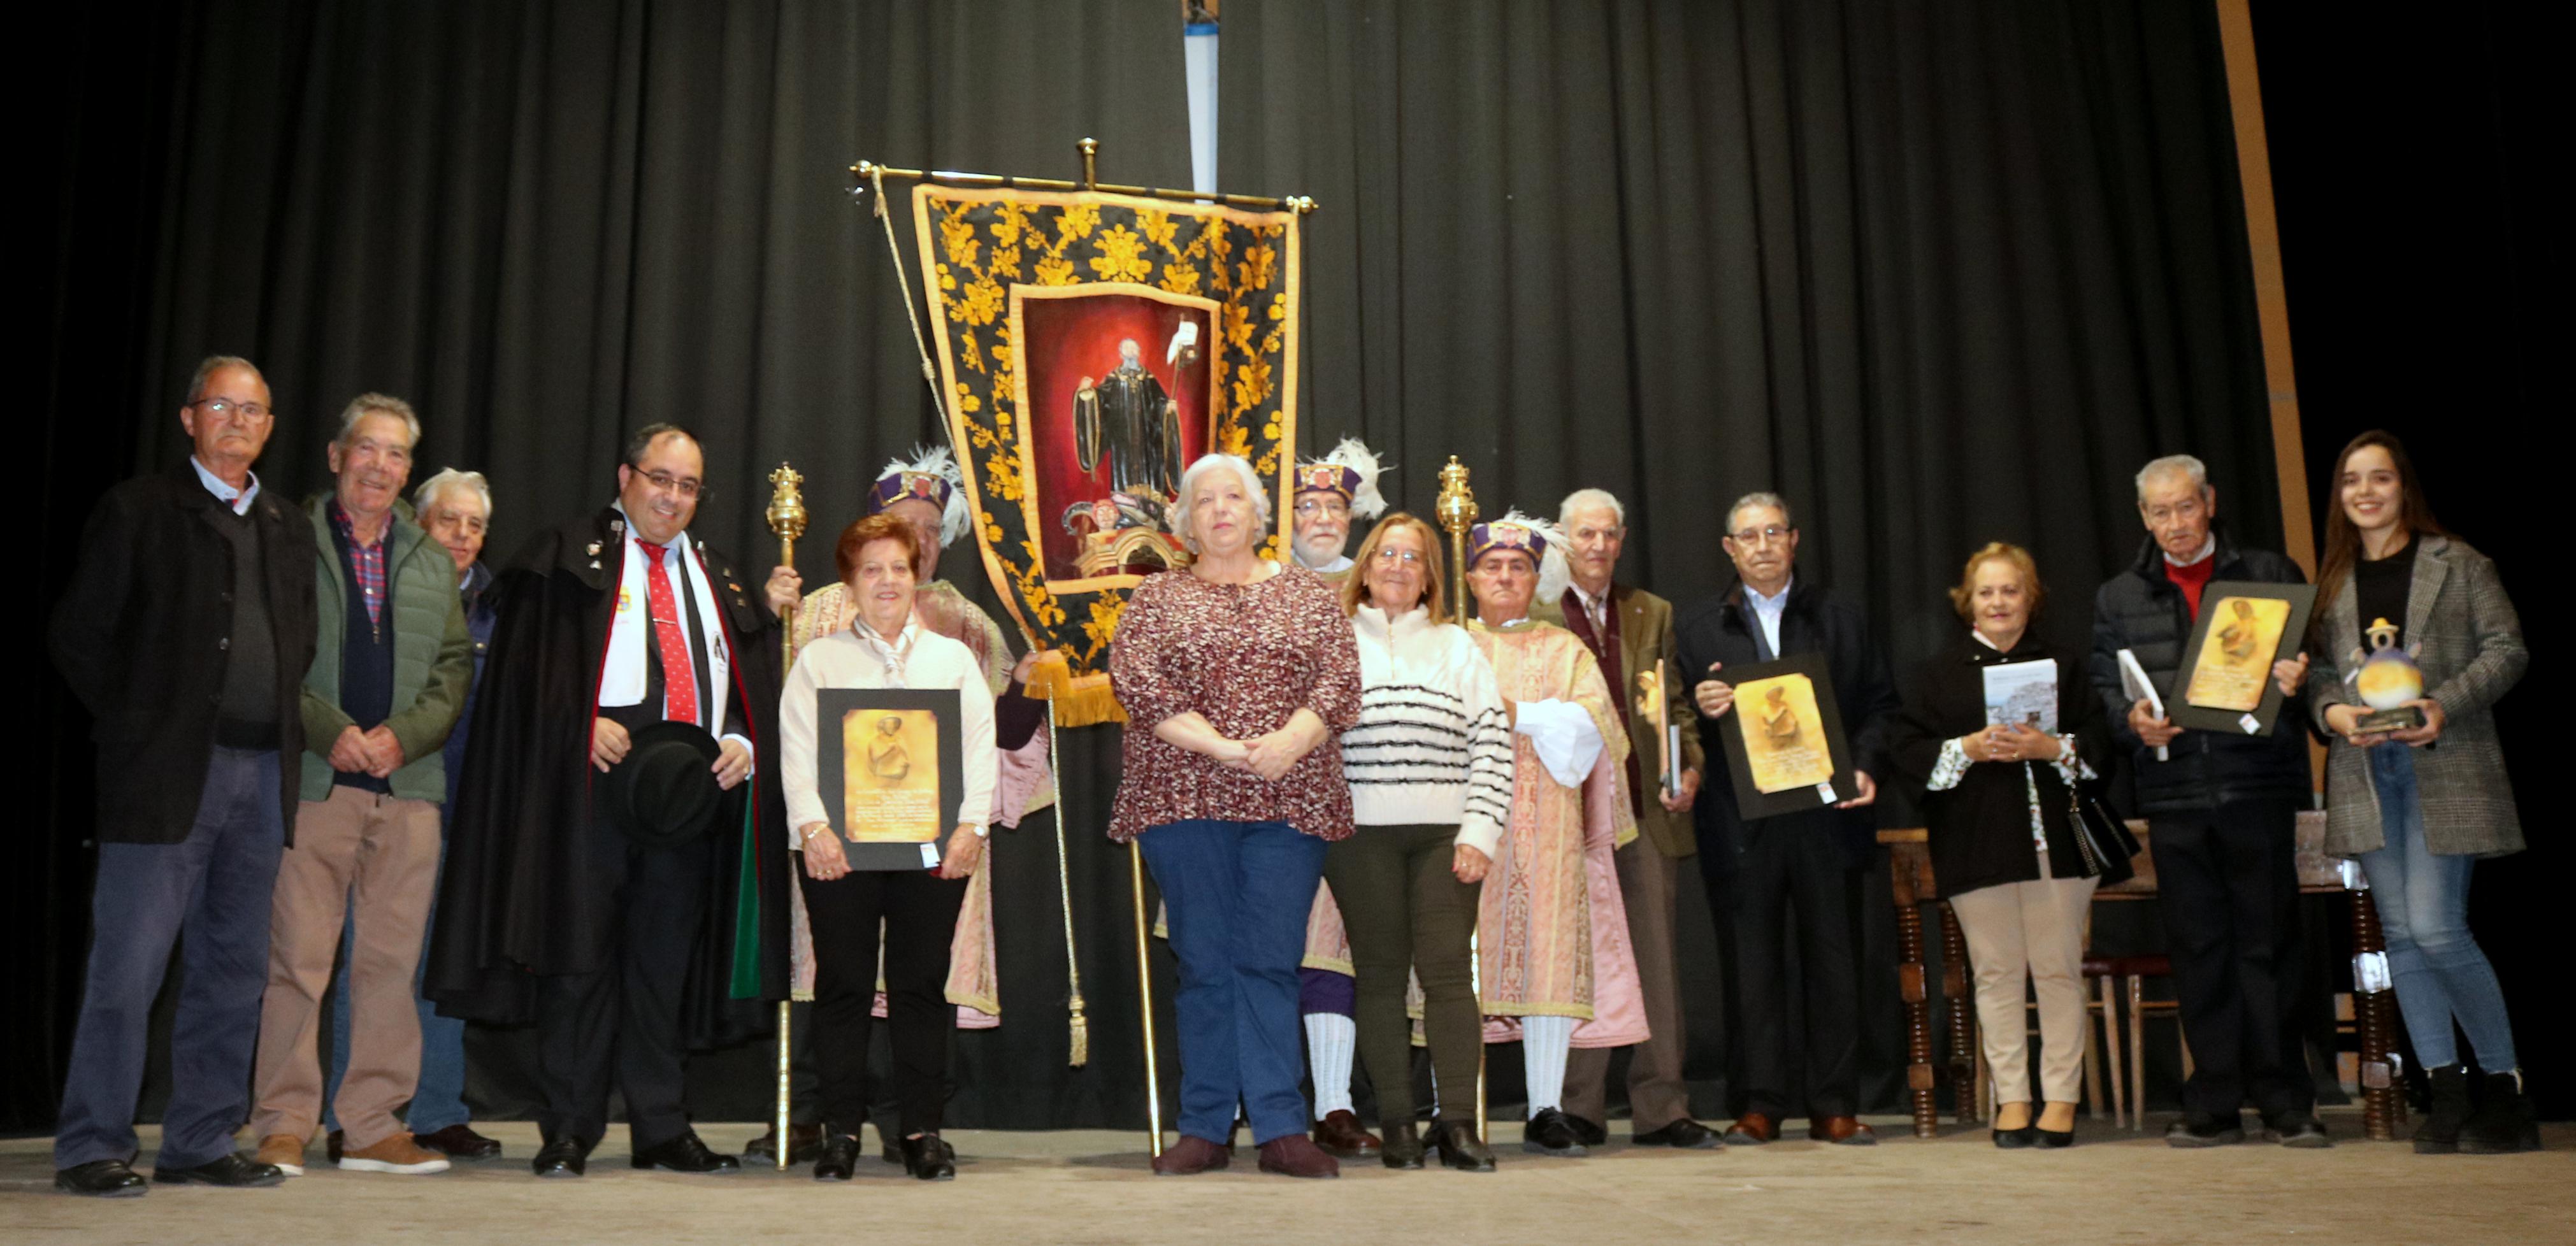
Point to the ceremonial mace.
(1457, 511)
(787, 519)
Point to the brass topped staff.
(787, 519)
(1457, 511)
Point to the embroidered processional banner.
(1090, 347)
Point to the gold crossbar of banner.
(867, 171)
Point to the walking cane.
(1457, 511)
(787, 519)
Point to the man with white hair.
(389, 675)
(455, 509)
(1330, 493)
(1630, 633)
(2222, 808)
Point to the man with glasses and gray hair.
(2222, 814)
(389, 673)
(185, 632)
(1764, 874)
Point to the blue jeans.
(214, 886)
(2423, 901)
(439, 1100)
(1237, 895)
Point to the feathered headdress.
(931, 476)
(1350, 470)
(1537, 537)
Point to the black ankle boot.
(1402, 1149)
(2439, 1132)
(2503, 1122)
(837, 1156)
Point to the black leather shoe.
(2052, 1139)
(1460, 1148)
(836, 1157)
(111, 1178)
(2296, 1129)
(458, 1142)
(562, 1157)
(231, 1170)
(2021, 1139)
(929, 1158)
(804, 1142)
(1684, 1134)
(1551, 1132)
(685, 1153)
(1402, 1149)
(1586, 1132)
(2191, 1130)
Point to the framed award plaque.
(892, 773)
(2225, 683)
(1784, 740)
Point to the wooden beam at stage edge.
(2263, 239)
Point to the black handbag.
(2101, 839)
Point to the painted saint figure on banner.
(1128, 423)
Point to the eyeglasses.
(1312, 507)
(1390, 557)
(1761, 536)
(227, 409)
(681, 485)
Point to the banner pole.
(1145, 993)
(1079, 1027)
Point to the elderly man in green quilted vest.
(389, 673)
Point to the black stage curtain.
(1939, 273)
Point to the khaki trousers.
(371, 860)
(1657, 1095)
(2034, 930)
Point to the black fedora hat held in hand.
(664, 794)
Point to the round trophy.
(2389, 683)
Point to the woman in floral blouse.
(1238, 676)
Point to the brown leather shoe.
(396, 1154)
(1189, 1157)
(1339, 1133)
(284, 1152)
(1295, 1155)
(1752, 1129)
(804, 1142)
(1841, 1131)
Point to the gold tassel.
(1080, 700)
(1081, 1036)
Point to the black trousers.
(625, 1019)
(919, 914)
(2227, 883)
(1790, 881)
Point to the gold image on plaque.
(891, 758)
(2236, 661)
(1783, 734)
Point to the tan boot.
(396, 1154)
(286, 1151)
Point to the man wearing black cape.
(627, 940)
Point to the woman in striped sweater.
(1430, 769)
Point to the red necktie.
(679, 679)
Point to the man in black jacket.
(2222, 812)
(186, 632)
(1758, 870)
(626, 951)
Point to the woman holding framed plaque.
(1995, 734)
(1238, 676)
(887, 747)
(2415, 639)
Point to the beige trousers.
(371, 860)
(2032, 930)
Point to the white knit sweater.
(1433, 746)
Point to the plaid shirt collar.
(366, 561)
